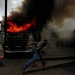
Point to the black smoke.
(39, 9)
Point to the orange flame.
(13, 27)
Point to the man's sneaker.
(44, 64)
(23, 71)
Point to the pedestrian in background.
(57, 43)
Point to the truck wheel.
(5, 54)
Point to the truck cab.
(16, 42)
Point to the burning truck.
(18, 36)
(18, 32)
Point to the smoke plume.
(63, 9)
(40, 9)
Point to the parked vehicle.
(16, 42)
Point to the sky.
(12, 4)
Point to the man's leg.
(43, 63)
(31, 61)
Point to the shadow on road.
(18, 55)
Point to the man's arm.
(32, 43)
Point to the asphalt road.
(12, 66)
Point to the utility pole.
(5, 21)
(5, 25)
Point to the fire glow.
(13, 27)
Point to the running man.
(37, 50)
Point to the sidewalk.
(49, 64)
(55, 57)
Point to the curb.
(57, 58)
(49, 67)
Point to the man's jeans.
(36, 54)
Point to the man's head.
(45, 42)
